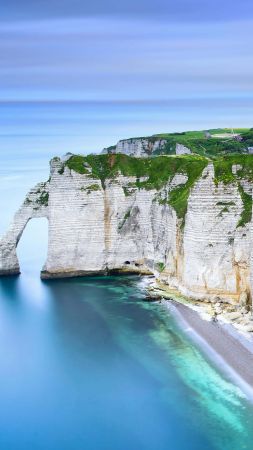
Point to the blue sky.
(77, 76)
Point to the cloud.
(180, 10)
(107, 59)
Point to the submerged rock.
(152, 298)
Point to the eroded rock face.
(140, 147)
(35, 205)
(216, 253)
(182, 150)
(115, 225)
(98, 228)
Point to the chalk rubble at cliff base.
(238, 315)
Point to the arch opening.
(32, 245)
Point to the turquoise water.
(86, 364)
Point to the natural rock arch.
(35, 205)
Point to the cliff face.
(216, 251)
(100, 227)
(191, 231)
(139, 147)
(35, 205)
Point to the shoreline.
(229, 347)
(221, 344)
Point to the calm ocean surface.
(86, 364)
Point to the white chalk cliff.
(118, 224)
(138, 147)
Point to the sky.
(78, 76)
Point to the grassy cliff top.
(197, 134)
(211, 143)
(161, 168)
(221, 142)
(158, 170)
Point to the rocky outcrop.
(123, 223)
(215, 259)
(144, 147)
(182, 150)
(97, 227)
(139, 147)
(34, 205)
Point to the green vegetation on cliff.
(231, 168)
(212, 147)
(155, 173)
(247, 207)
(158, 171)
(43, 198)
(235, 169)
(76, 163)
(210, 143)
(90, 188)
